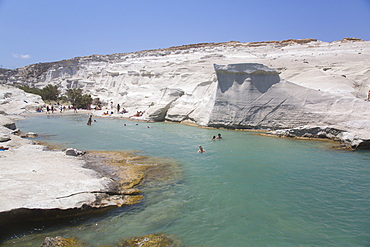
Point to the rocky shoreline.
(307, 89)
(39, 183)
(344, 139)
(103, 188)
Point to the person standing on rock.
(118, 107)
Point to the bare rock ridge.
(266, 85)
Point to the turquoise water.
(246, 190)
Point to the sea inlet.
(245, 190)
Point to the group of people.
(218, 137)
(118, 109)
(54, 108)
(138, 114)
(202, 150)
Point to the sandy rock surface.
(33, 178)
(15, 101)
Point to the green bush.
(49, 92)
(33, 90)
(77, 99)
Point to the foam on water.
(246, 190)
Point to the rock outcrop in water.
(254, 96)
(63, 242)
(270, 85)
(149, 240)
(157, 239)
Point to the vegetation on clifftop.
(50, 92)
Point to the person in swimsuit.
(90, 120)
(201, 150)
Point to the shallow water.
(246, 190)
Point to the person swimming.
(219, 136)
(213, 138)
(201, 150)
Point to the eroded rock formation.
(271, 85)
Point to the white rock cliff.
(270, 85)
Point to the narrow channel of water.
(246, 190)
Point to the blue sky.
(33, 31)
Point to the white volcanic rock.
(30, 135)
(239, 97)
(25, 165)
(71, 185)
(6, 122)
(74, 152)
(7, 127)
(194, 107)
(137, 78)
(157, 111)
(319, 83)
(16, 101)
(348, 139)
(4, 137)
(252, 96)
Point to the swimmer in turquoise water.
(201, 150)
